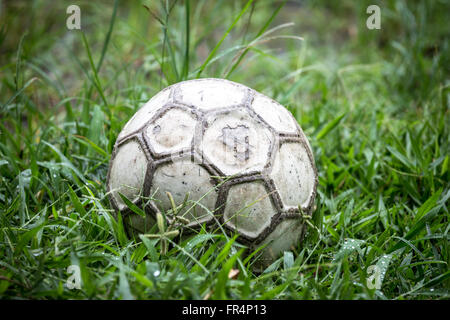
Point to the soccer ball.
(228, 155)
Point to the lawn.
(374, 105)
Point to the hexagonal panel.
(293, 175)
(145, 113)
(287, 234)
(127, 172)
(137, 224)
(248, 208)
(182, 176)
(208, 94)
(277, 116)
(171, 132)
(236, 143)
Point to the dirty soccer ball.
(227, 155)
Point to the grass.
(374, 104)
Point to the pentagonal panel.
(127, 172)
(293, 175)
(145, 113)
(180, 177)
(171, 132)
(277, 116)
(248, 208)
(207, 94)
(236, 143)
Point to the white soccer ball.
(239, 158)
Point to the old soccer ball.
(227, 154)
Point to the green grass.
(374, 104)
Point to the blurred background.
(148, 45)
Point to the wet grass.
(374, 104)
